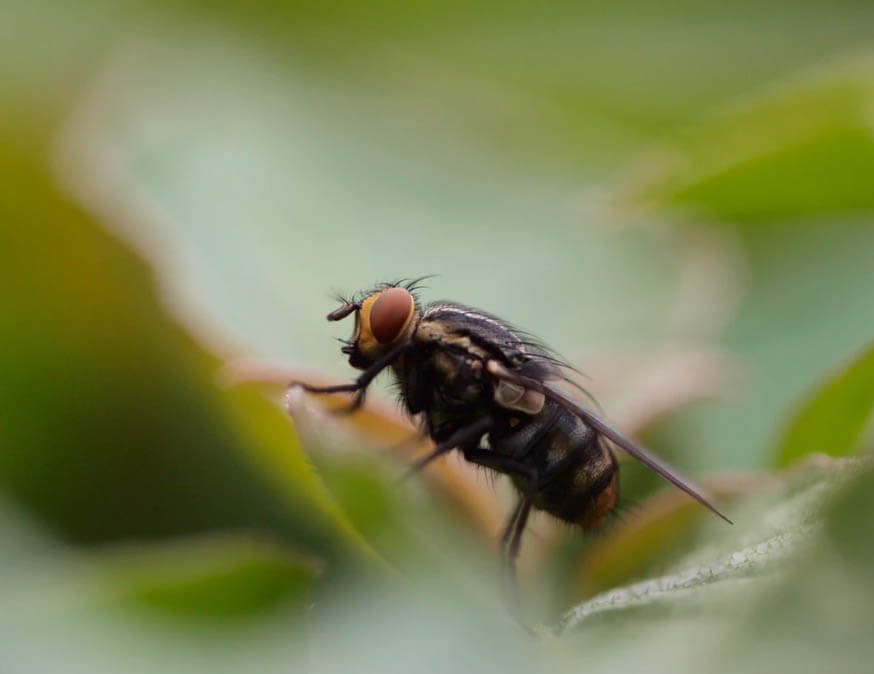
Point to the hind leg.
(511, 537)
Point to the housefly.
(487, 390)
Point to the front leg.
(359, 386)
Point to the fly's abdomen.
(595, 495)
(579, 474)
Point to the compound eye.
(390, 313)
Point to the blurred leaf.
(111, 424)
(743, 559)
(23, 541)
(384, 427)
(654, 531)
(211, 578)
(263, 154)
(241, 195)
(803, 148)
(850, 516)
(818, 617)
(833, 417)
(331, 176)
(576, 87)
(264, 432)
(216, 604)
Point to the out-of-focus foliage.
(805, 616)
(814, 131)
(848, 398)
(678, 198)
(769, 528)
(108, 404)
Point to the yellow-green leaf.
(833, 417)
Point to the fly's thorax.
(455, 363)
(441, 328)
(443, 333)
(457, 378)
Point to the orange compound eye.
(390, 313)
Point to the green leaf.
(655, 530)
(210, 578)
(834, 415)
(802, 148)
(770, 530)
(111, 422)
(208, 604)
(313, 178)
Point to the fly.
(488, 390)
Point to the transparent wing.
(640, 453)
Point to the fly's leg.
(524, 506)
(359, 386)
(517, 521)
(508, 530)
(511, 538)
(463, 436)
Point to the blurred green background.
(678, 197)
